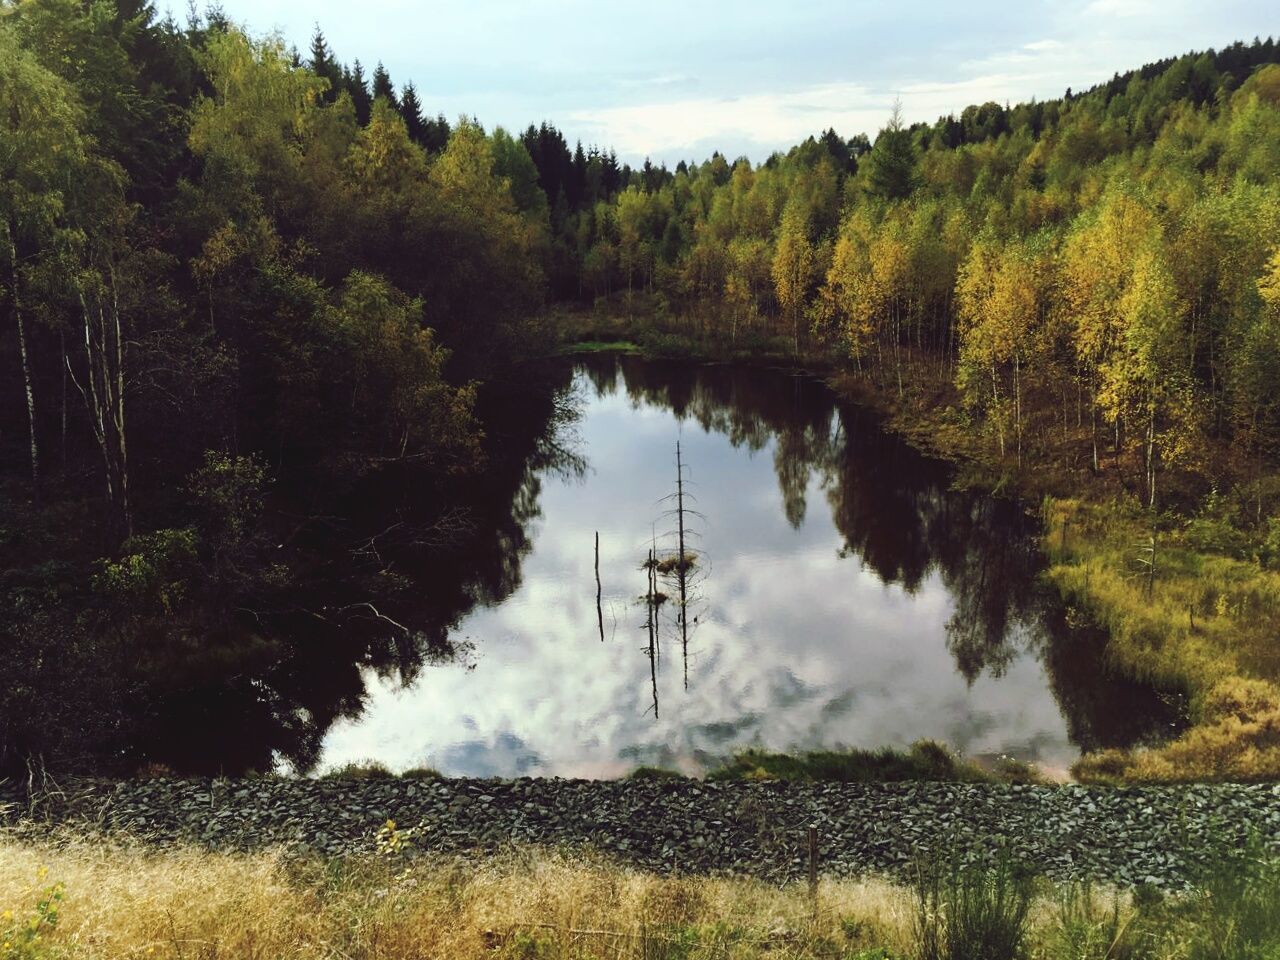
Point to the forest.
(242, 281)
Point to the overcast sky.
(677, 79)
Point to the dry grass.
(133, 902)
(122, 901)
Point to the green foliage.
(967, 912)
(364, 770)
(654, 773)
(26, 937)
(891, 165)
(1236, 906)
(152, 575)
(1089, 926)
(925, 760)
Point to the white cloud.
(1121, 8)
(666, 128)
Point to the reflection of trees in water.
(894, 507)
(418, 550)
(900, 516)
(427, 550)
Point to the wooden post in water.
(599, 609)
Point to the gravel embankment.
(1153, 835)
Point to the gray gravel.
(1139, 835)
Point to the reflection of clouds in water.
(796, 647)
(504, 755)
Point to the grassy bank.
(1205, 620)
(81, 899)
(1205, 623)
(923, 761)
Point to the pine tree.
(382, 86)
(358, 87)
(323, 64)
(435, 133)
(891, 165)
(411, 110)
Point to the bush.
(364, 770)
(1237, 906)
(655, 773)
(971, 912)
(925, 760)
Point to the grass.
(1206, 623)
(924, 760)
(601, 346)
(110, 901)
(126, 902)
(973, 914)
(373, 770)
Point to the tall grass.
(133, 902)
(78, 899)
(966, 912)
(1206, 623)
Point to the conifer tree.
(358, 87)
(891, 165)
(411, 110)
(323, 64)
(382, 86)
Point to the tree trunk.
(1093, 426)
(1017, 402)
(995, 409)
(104, 357)
(26, 360)
(1151, 448)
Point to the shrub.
(924, 760)
(972, 912)
(362, 770)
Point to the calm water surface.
(844, 595)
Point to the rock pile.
(1138, 835)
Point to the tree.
(890, 167)
(323, 64)
(41, 151)
(382, 86)
(793, 268)
(411, 110)
(361, 99)
(511, 162)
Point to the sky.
(677, 79)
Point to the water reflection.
(851, 596)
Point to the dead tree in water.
(682, 567)
(651, 622)
(683, 564)
(599, 592)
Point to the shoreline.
(1201, 639)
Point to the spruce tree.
(358, 87)
(411, 110)
(382, 86)
(323, 64)
(891, 164)
(435, 133)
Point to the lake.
(839, 592)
